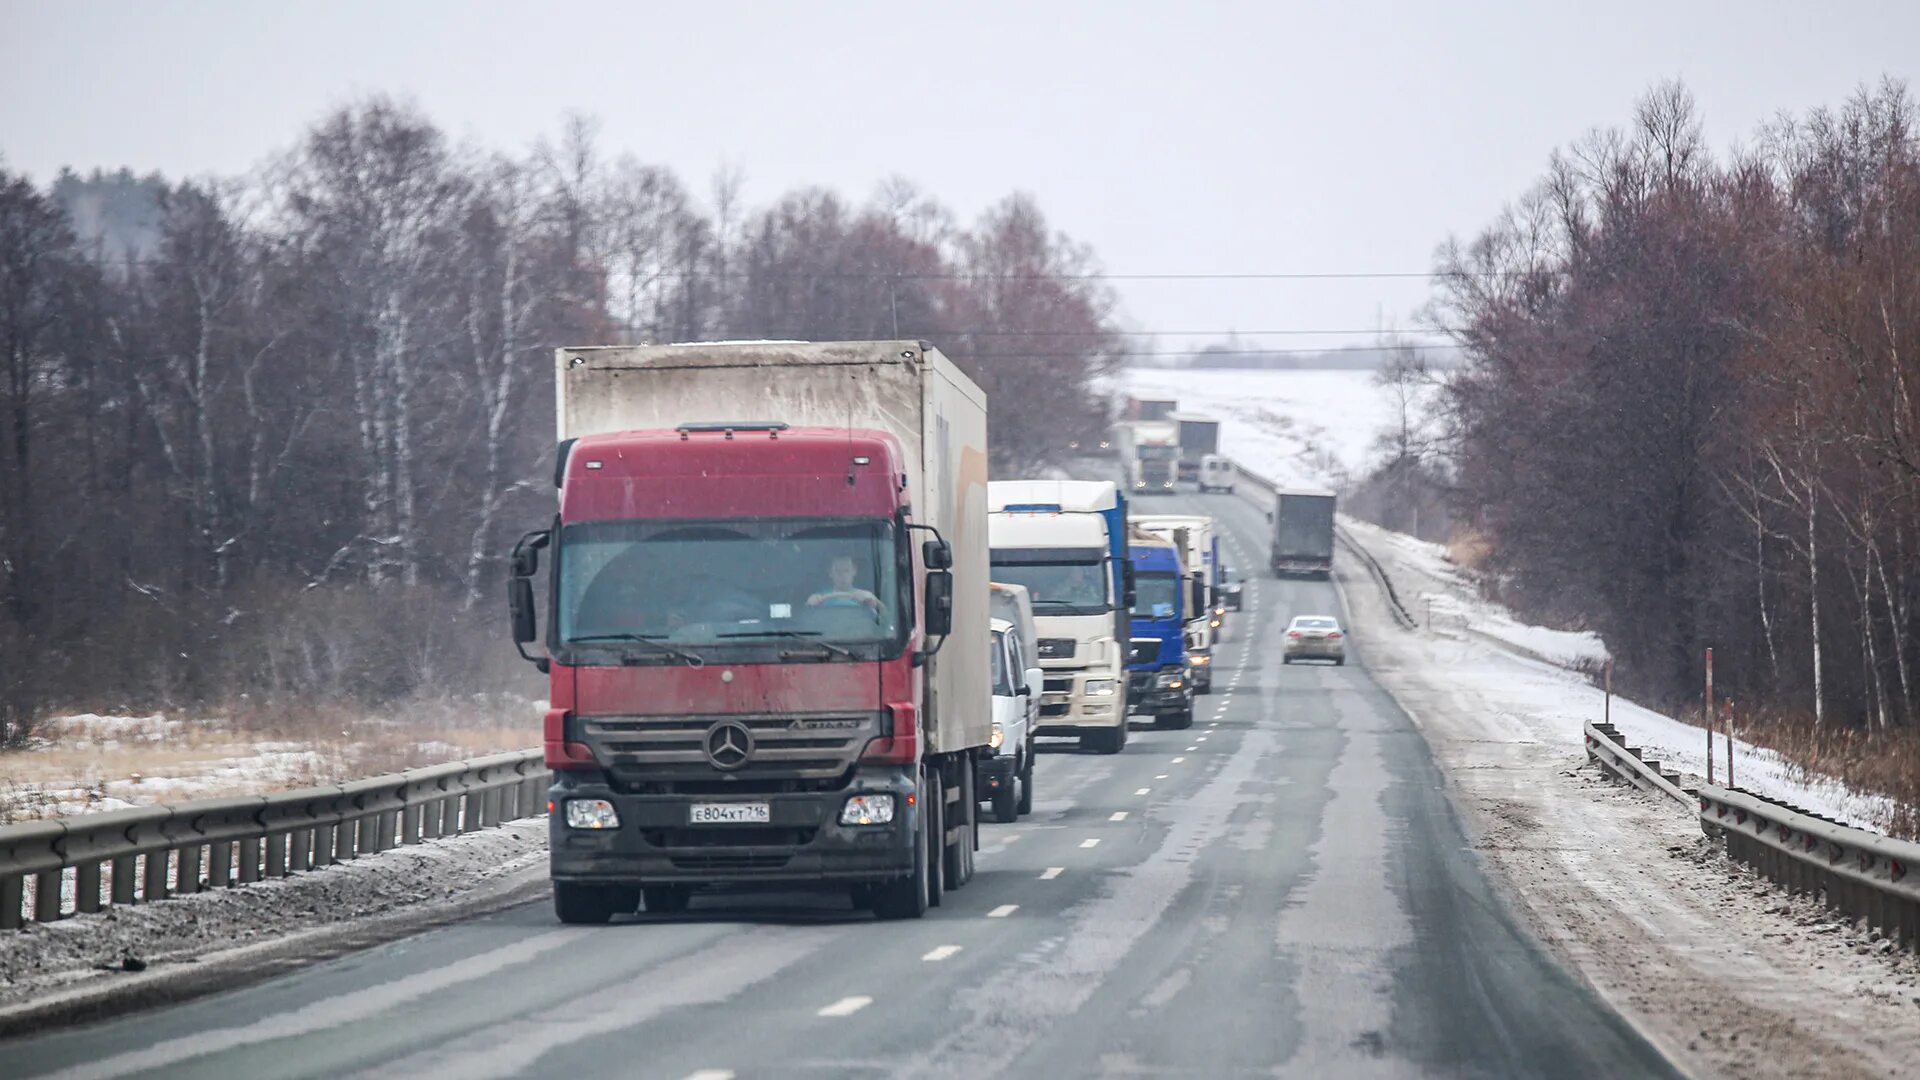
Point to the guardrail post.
(124, 872)
(13, 892)
(300, 850)
(46, 895)
(220, 864)
(276, 856)
(250, 859)
(86, 887)
(410, 823)
(187, 870)
(153, 879)
(322, 846)
(344, 836)
(384, 831)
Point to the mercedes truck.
(1067, 542)
(766, 629)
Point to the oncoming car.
(1315, 637)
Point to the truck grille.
(671, 750)
(1056, 708)
(1140, 682)
(1057, 686)
(1056, 648)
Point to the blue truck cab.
(1159, 683)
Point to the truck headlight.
(867, 810)
(1170, 679)
(1099, 687)
(999, 736)
(592, 814)
(1201, 659)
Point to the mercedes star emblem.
(729, 744)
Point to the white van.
(1216, 474)
(1004, 777)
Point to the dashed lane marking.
(940, 953)
(1143, 791)
(1003, 911)
(1178, 760)
(1090, 842)
(711, 1074)
(1118, 815)
(846, 1006)
(1052, 872)
(1162, 776)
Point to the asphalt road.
(1284, 889)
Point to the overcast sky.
(1175, 138)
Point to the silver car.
(1315, 637)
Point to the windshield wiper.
(807, 636)
(651, 641)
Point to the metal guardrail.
(151, 852)
(1608, 750)
(1860, 873)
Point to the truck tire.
(1006, 800)
(1110, 741)
(906, 898)
(1026, 785)
(1179, 721)
(666, 899)
(959, 867)
(579, 904)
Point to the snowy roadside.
(1527, 667)
(126, 957)
(1720, 969)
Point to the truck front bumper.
(656, 843)
(1073, 711)
(1160, 701)
(990, 774)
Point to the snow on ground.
(1547, 703)
(1719, 968)
(1297, 428)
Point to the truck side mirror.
(525, 561)
(939, 604)
(520, 603)
(938, 555)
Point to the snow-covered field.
(1296, 428)
(89, 763)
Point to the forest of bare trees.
(1692, 412)
(267, 437)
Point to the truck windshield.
(1154, 595)
(1059, 588)
(756, 584)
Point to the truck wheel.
(960, 853)
(667, 899)
(578, 904)
(1026, 785)
(1006, 801)
(905, 898)
(1340, 661)
(1110, 741)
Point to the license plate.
(735, 813)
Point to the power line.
(1125, 333)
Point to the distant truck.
(1150, 456)
(1146, 408)
(1161, 679)
(1199, 438)
(1067, 542)
(768, 638)
(1202, 577)
(1004, 777)
(1302, 533)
